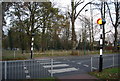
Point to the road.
(60, 66)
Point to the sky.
(63, 5)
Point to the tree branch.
(82, 9)
(107, 32)
(78, 3)
(110, 14)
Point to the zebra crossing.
(62, 70)
(58, 67)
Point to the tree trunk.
(10, 39)
(43, 39)
(90, 37)
(73, 26)
(115, 36)
(92, 32)
(73, 35)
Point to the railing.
(26, 69)
(44, 68)
(108, 61)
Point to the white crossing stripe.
(62, 70)
(26, 71)
(68, 60)
(73, 61)
(27, 76)
(25, 67)
(58, 65)
(79, 63)
(49, 62)
(94, 67)
(86, 65)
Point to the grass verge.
(109, 73)
(17, 55)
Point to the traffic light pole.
(101, 49)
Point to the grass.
(109, 73)
(9, 55)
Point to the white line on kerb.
(62, 70)
(58, 65)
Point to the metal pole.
(101, 50)
(51, 67)
(5, 70)
(113, 61)
(91, 63)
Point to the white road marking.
(58, 65)
(25, 67)
(27, 76)
(62, 70)
(86, 65)
(26, 71)
(50, 62)
(79, 63)
(73, 61)
(94, 67)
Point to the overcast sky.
(64, 4)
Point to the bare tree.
(117, 19)
(73, 16)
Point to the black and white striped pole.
(32, 44)
(101, 22)
(101, 50)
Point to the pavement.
(79, 76)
